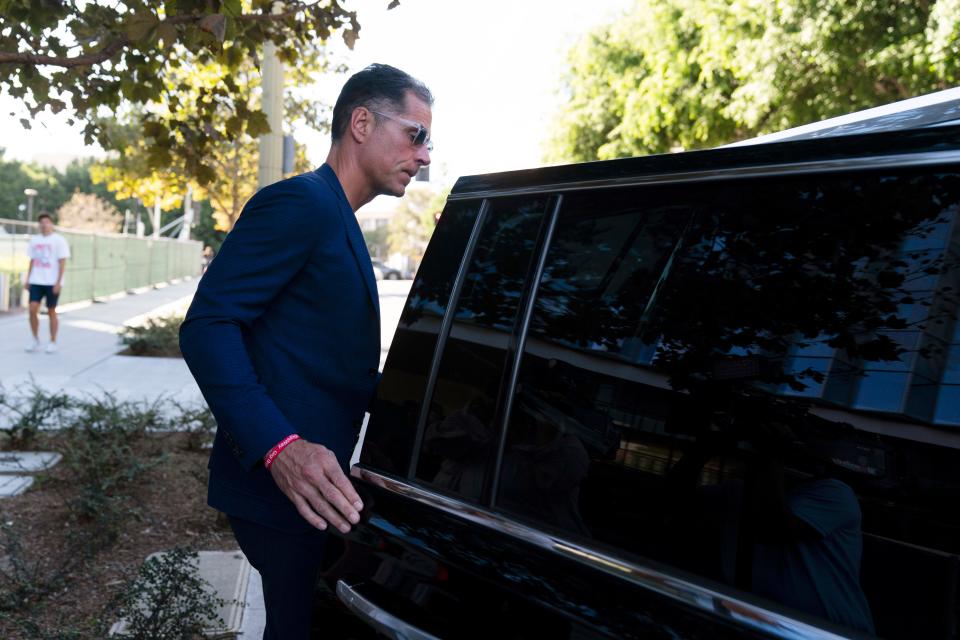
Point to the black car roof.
(930, 140)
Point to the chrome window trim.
(714, 603)
(709, 175)
(533, 286)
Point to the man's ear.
(362, 124)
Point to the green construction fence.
(100, 264)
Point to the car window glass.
(459, 437)
(704, 402)
(393, 420)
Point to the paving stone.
(14, 485)
(228, 572)
(27, 461)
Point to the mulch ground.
(166, 507)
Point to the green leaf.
(257, 124)
(168, 33)
(232, 8)
(140, 26)
(154, 129)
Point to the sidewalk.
(86, 362)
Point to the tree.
(697, 73)
(95, 58)
(132, 172)
(376, 240)
(88, 212)
(17, 176)
(54, 187)
(413, 222)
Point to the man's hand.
(56, 289)
(310, 476)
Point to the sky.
(494, 67)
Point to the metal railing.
(101, 264)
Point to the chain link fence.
(101, 264)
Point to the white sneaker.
(51, 348)
(33, 347)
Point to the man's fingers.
(322, 505)
(307, 513)
(343, 484)
(338, 501)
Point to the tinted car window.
(608, 254)
(664, 399)
(393, 420)
(459, 437)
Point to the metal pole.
(187, 215)
(156, 218)
(270, 165)
(31, 194)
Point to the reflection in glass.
(459, 439)
(393, 419)
(692, 390)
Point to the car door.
(701, 404)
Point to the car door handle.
(381, 620)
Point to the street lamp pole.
(31, 194)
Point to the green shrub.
(28, 409)
(197, 422)
(168, 600)
(157, 337)
(99, 456)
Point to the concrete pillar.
(270, 166)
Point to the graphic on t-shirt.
(45, 253)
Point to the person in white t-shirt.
(48, 253)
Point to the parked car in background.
(383, 272)
(712, 394)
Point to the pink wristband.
(273, 453)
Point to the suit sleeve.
(270, 243)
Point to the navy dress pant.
(289, 564)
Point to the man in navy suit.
(283, 338)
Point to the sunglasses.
(420, 137)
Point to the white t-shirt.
(45, 253)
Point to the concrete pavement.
(87, 361)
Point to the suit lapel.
(354, 236)
(359, 248)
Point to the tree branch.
(121, 42)
(7, 57)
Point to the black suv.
(703, 395)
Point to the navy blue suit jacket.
(283, 336)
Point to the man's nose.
(423, 155)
